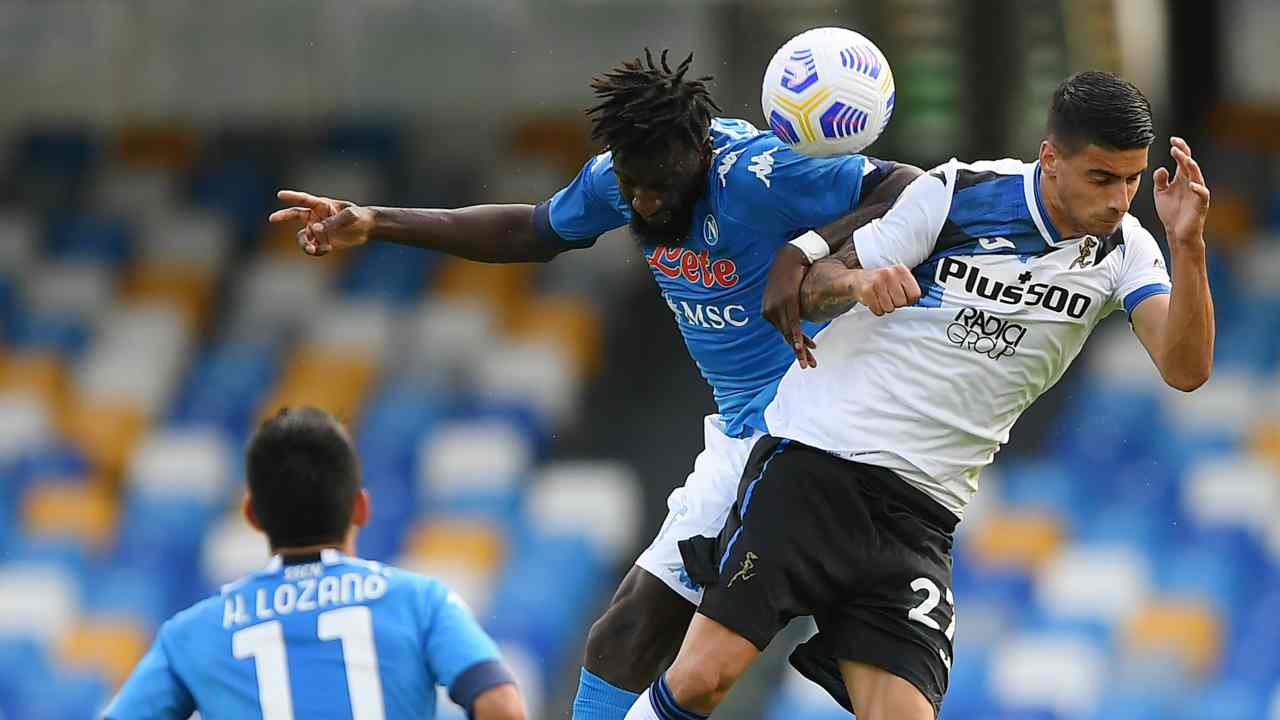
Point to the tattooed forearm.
(827, 290)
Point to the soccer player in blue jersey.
(318, 633)
(710, 201)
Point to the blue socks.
(598, 700)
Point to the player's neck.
(1058, 217)
(293, 551)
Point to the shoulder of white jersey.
(959, 175)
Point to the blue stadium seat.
(1195, 566)
(1055, 487)
(68, 695)
(394, 421)
(11, 311)
(1228, 699)
(394, 273)
(546, 591)
(161, 536)
(225, 387)
(362, 140)
(238, 187)
(66, 555)
(89, 237)
(111, 590)
(26, 671)
(68, 335)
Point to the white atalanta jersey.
(931, 390)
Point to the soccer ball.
(828, 91)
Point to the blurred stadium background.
(521, 426)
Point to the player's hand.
(781, 306)
(883, 290)
(327, 224)
(1182, 201)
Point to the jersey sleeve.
(805, 190)
(459, 653)
(1143, 272)
(585, 209)
(153, 691)
(908, 233)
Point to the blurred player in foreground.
(318, 632)
(847, 508)
(709, 201)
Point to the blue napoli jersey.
(329, 637)
(759, 195)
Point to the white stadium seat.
(1229, 402)
(473, 456)
(473, 585)
(72, 288)
(138, 356)
(232, 549)
(535, 372)
(340, 179)
(598, 499)
(365, 327)
(38, 602)
(276, 295)
(188, 237)
(25, 424)
(1063, 674)
(133, 191)
(189, 462)
(441, 338)
(1116, 357)
(1068, 585)
(19, 237)
(1234, 490)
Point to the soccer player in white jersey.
(318, 633)
(846, 509)
(709, 201)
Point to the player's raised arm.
(781, 305)
(875, 267)
(487, 233)
(1177, 328)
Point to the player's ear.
(360, 511)
(1048, 158)
(246, 506)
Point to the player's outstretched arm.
(498, 703)
(486, 233)
(1177, 329)
(781, 305)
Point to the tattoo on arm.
(824, 294)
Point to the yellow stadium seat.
(1188, 630)
(473, 544)
(188, 289)
(1019, 539)
(84, 512)
(111, 646)
(335, 382)
(504, 285)
(569, 323)
(1265, 440)
(107, 431)
(39, 373)
(167, 146)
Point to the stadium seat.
(388, 272)
(110, 646)
(1065, 675)
(83, 512)
(444, 337)
(1265, 440)
(474, 465)
(1188, 632)
(189, 290)
(37, 602)
(335, 382)
(25, 424)
(601, 499)
(361, 140)
(237, 187)
(106, 431)
(340, 178)
(187, 237)
(186, 462)
(39, 374)
(150, 145)
(90, 238)
(137, 357)
(79, 288)
(1227, 405)
(122, 190)
(566, 323)
(1117, 358)
(275, 296)
(346, 327)
(226, 387)
(1068, 584)
(465, 555)
(112, 590)
(19, 240)
(502, 286)
(1233, 490)
(232, 549)
(536, 373)
(1017, 539)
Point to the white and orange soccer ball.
(828, 91)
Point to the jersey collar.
(1035, 206)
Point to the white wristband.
(813, 246)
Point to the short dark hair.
(644, 103)
(1101, 109)
(303, 478)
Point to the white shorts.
(700, 507)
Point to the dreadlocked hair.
(645, 103)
